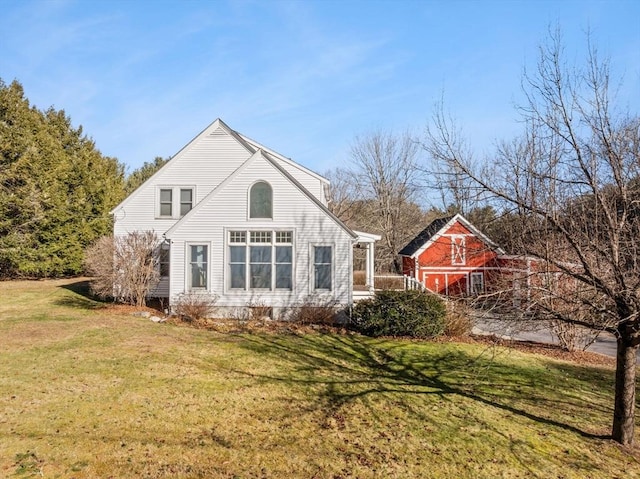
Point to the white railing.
(393, 282)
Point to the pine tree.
(56, 189)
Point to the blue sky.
(302, 77)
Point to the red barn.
(452, 257)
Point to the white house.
(243, 223)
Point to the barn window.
(261, 200)
(458, 250)
(477, 283)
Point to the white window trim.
(187, 269)
(247, 244)
(454, 248)
(312, 266)
(175, 200)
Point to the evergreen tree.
(142, 174)
(56, 189)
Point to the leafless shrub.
(389, 282)
(125, 267)
(314, 311)
(458, 320)
(259, 310)
(573, 337)
(193, 306)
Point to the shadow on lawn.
(82, 297)
(352, 367)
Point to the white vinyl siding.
(202, 166)
(223, 223)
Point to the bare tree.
(125, 267)
(386, 175)
(457, 191)
(342, 198)
(571, 184)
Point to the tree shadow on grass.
(349, 367)
(82, 298)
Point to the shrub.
(259, 310)
(194, 306)
(400, 313)
(314, 311)
(124, 267)
(458, 320)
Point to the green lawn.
(90, 391)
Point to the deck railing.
(390, 281)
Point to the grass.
(88, 391)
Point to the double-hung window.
(174, 202)
(186, 200)
(322, 266)
(260, 260)
(166, 202)
(198, 266)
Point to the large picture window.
(322, 260)
(198, 260)
(261, 200)
(260, 260)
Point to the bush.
(314, 311)
(458, 320)
(400, 313)
(124, 267)
(194, 306)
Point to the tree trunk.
(625, 393)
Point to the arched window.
(261, 200)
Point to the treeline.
(56, 189)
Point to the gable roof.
(282, 158)
(436, 229)
(424, 236)
(266, 156)
(213, 126)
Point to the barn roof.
(435, 229)
(425, 235)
